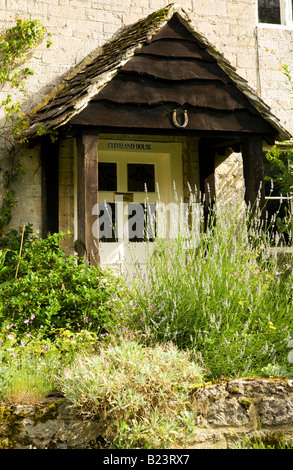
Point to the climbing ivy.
(16, 44)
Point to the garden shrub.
(52, 292)
(141, 394)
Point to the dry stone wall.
(242, 408)
(228, 412)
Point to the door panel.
(143, 178)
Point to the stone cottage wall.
(28, 207)
(80, 26)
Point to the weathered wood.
(174, 29)
(207, 172)
(160, 117)
(50, 186)
(207, 179)
(87, 195)
(253, 172)
(190, 169)
(205, 94)
(175, 69)
(173, 48)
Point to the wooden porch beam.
(87, 195)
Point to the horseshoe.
(175, 122)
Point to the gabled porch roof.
(92, 77)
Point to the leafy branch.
(287, 73)
(282, 160)
(16, 44)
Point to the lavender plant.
(228, 299)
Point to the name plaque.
(129, 145)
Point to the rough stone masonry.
(228, 412)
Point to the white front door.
(134, 176)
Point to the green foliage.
(28, 376)
(275, 370)
(226, 299)
(287, 73)
(143, 393)
(283, 161)
(53, 292)
(29, 366)
(2, 261)
(270, 441)
(15, 45)
(11, 239)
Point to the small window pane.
(107, 176)
(269, 11)
(141, 177)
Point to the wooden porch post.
(87, 194)
(207, 177)
(253, 172)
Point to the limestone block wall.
(275, 49)
(242, 408)
(229, 179)
(28, 189)
(80, 26)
